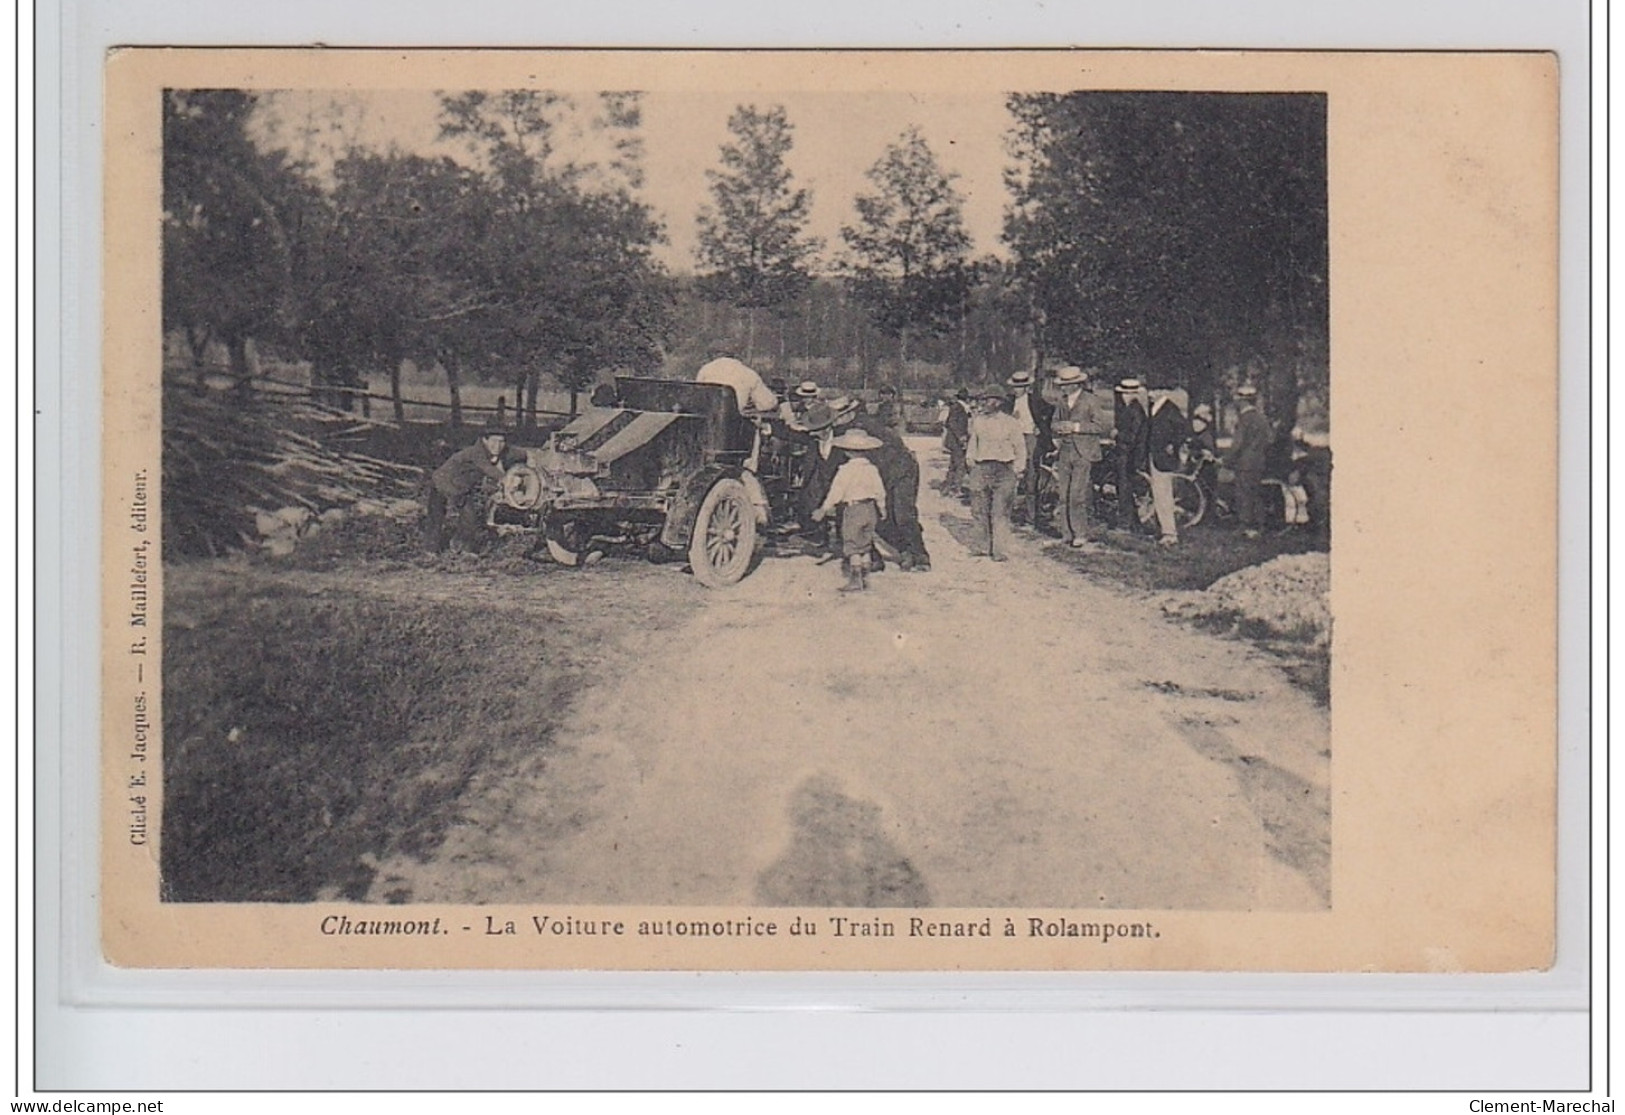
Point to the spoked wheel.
(724, 535)
(567, 541)
(1049, 494)
(1190, 504)
(1145, 509)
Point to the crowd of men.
(1085, 436)
(1093, 439)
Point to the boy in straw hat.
(859, 494)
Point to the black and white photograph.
(891, 506)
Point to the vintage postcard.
(830, 510)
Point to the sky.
(838, 136)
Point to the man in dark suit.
(1133, 444)
(1249, 453)
(900, 475)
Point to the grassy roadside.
(320, 716)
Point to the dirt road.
(980, 735)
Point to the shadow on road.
(1294, 813)
(838, 856)
(961, 530)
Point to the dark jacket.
(890, 414)
(1169, 432)
(1250, 449)
(957, 425)
(464, 469)
(1133, 439)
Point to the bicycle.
(1190, 500)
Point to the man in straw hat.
(1022, 407)
(817, 424)
(1169, 431)
(860, 496)
(804, 396)
(997, 455)
(1080, 422)
(1133, 440)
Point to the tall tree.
(1175, 234)
(754, 251)
(909, 253)
(227, 253)
(388, 284)
(563, 253)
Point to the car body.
(671, 467)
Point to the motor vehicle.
(672, 467)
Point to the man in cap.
(997, 454)
(1133, 440)
(889, 412)
(1249, 452)
(456, 486)
(1080, 421)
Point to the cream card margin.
(1443, 279)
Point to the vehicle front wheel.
(566, 541)
(724, 535)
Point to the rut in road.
(980, 735)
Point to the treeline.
(829, 336)
(512, 267)
(1177, 237)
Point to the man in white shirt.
(754, 396)
(997, 455)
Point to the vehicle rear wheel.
(724, 535)
(566, 541)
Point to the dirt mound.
(1284, 598)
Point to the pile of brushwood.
(231, 464)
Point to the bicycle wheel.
(1190, 504)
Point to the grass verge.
(315, 723)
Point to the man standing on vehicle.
(1248, 453)
(1079, 422)
(754, 396)
(455, 486)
